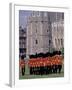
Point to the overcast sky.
(23, 14)
(23, 17)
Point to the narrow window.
(36, 41)
(55, 42)
(47, 30)
(58, 41)
(49, 42)
(61, 42)
(38, 13)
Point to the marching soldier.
(22, 65)
(47, 65)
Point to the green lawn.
(42, 76)
(28, 76)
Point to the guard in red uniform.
(22, 66)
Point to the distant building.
(58, 35)
(22, 42)
(43, 35)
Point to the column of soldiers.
(48, 65)
(42, 65)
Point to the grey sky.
(23, 14)
(23, 17)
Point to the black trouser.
(46, 70)
(41, 70)
(31, 71)
(59, 68)
(50, 69)
(23, 71)
(37, 71)
(56, 68)
(53, 68)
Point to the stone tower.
(39, 33)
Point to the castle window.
(36, 41)
(38, 14)
(42, 21)
(61, 42)
(49, 42)
(47, 30)
(56, 42)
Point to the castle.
(43, 34)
